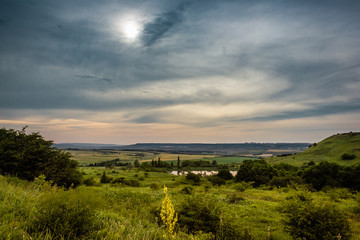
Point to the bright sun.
(130, 30)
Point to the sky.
(207, 71)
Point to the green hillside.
(330, 149)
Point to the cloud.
(198, 64)
(153, 31)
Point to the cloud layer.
(208, 66)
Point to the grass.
(330, 149)
(124, 212)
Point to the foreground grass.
(122, 212)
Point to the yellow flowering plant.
(168, 215)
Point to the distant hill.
(239, 149)
(85, 146)
(330, 149)
(255, 149)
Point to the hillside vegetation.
(331, 149)
(315, 201)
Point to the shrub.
(193, 177)
(202, 215)
(89, 181)
(225, 174)
(215, 180)
(235, 198)
(242, 186)
(154, 186)
(65, 215)
(187, 190)
(314, 221)
(120, 180)
(134, 183)
(346, 156)
(283, 181)
(197, 214)
(105, 179)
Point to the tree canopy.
(27, 156)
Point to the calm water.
(203, 173)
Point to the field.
(124, 212)
(85, 157)
(131, 201)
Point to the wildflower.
(168, 215)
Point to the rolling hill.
(330, 149)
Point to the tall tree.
(29, 155)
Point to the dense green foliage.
(257, 171)
(320, 175)
(29, 155)
(315, 221)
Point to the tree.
(324, 174)
(225, 174)
(136, 163)
(258, 171)
(178, 162)
(105, 179)
(28, 156)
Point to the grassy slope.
(330, 149)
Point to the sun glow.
(131, 30)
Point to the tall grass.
(113, 211)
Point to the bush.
(187, 190)
(134, 183)
(283, 181)
(346, 156)
(65, 215)
(242, 186)
(215, 180)
(154, 186)
(202, 215)
(89, 181)
(197, 214)
(225, 174)
(314, 221)
(105, 179)
(193, 177)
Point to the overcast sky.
(180, 71)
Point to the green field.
(93, 156)
(230, 160)
(330, 149)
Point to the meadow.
(134, 201)
(124, 212)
